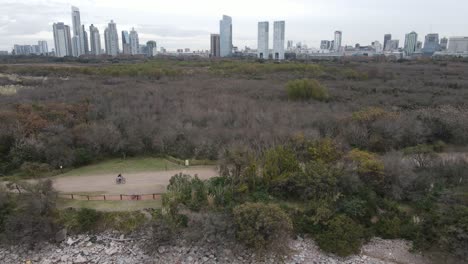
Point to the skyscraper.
(431, 44)
(290, 44)
(443, 43)
(263, 39)
(278, 40)
(111, 38)
(215, 45)
(85, 40)
(225, 36)
(387, 37)
(62, 40)
(95, 40)
(337, 43)
(152, 48)
(125, 43)
(134, 42)
(78, 35)
(411, 41)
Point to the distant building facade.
(78, 40)
(263, 40)
(431, 44)
(392, 45)
(411, 41)
(443, 44)
(125, 43)
(95, 40)
(387, 37)
(111, 38)
(458, 45)
(134, 42)
(215, 46)
(43, 47)
(62, 40)
(86, 40)
(152, 48)
(278, 40)
(337, 43)
(225, 36)
(325, 45)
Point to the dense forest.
(339, 150)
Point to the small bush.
(262, 226)
(342, 237)
(389, 228)
(306, 89)
(87, 219)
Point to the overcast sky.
(188, 23)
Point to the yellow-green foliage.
(325, 150)
(352, 74)
(280, 162)
(306, 89)
(369, 167)
(372, 114)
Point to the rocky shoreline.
(110, 248)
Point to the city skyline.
(178, 28)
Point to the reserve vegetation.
(340, 151)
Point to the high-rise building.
(325, 45)
(338, 39)
(62, 40)
(411, 42)
(443, 43)
(278, 40)
(111, 38)
(85, 40)
(290, 45)
(458, 44)
(95, 40)
(152, 48)
(225, 36)
(392, 45)
(431, 44)
(126, 43)
(263, 39)
(387, 37)
(43, 47)
(215, 45)
(134, 42)
(78, 41)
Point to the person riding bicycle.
(119, 178)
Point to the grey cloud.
(170, 31)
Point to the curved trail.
(137, 183)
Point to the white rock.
(80, 259)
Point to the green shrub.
(342, 237)
(389, 228)
(34, 169)
(262, 226)
(87, 219)
(306, 89)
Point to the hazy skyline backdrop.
(187, 24)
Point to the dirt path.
(137, 183)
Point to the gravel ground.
(114, 248)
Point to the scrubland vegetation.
(340, 151)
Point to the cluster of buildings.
(221, 44)
(80, 43)
(76, 41)
(39, 49)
